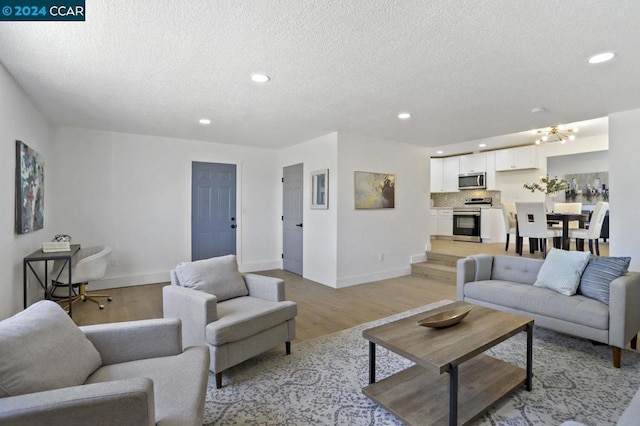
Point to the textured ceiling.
(465, 69)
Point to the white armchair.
(55, 373)
(237, 316)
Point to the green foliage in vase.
(548, 185)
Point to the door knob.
(299, 224)
(233, 226)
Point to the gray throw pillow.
(42, 349)
(561, 271)
(218, 276)
(598, 275)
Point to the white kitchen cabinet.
(492, 226)
(445, 222)
(473, 163)
(450, 171)
(491, 171)
(444, 174)
(436, 175)
(433, 222)
(523, 157)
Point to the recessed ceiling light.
(439, 152)
(601, 57)
(204, 121)
(260, 78)
(404, 115)
(482, 145)
(537, 109)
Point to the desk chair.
(592, 233)
(532, 223)
(90, 266)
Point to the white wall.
(510, 183)
(401, 234)
(588, 162)
(624, 198)
(320, 229)
(133, 193)
(19, 120)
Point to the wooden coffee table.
(421, 394)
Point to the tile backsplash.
(456, 199)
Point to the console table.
(40, 256)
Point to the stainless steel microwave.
(472, 181)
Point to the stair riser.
(435, 274)
(442, 259)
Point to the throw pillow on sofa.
(562, 270)
(598, 275)
(218, 276)
(42, 349)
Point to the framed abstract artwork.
(320, 189)
(374, 190)
(29, 189)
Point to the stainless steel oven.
(466, 224)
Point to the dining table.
(554, 217)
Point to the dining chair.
(509, 216)
(592, 233)
(532, 224)
(90, 266)
(568, 208)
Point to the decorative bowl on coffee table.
(445, 318)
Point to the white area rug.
(320, 383)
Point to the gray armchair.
(237, 316)
(130, 373)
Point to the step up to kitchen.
(442, 258)
(435, 271)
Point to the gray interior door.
(213, 210)
(292, 219)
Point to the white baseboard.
(130, 281)
(163, 277)
(260, 266)
(376, 276)
(418, 258)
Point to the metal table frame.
(40, 256)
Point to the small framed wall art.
(320, 189)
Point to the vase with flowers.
(549, 186)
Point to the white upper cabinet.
(444, 174)
(436, 175)
(450, 171)
(473, 163)
(524, 157)
(491, 171)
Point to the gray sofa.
(506, 283)
(127, 374)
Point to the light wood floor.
(321, 309)
(464, 249)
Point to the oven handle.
(466, 214)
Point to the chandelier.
(558, 133)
